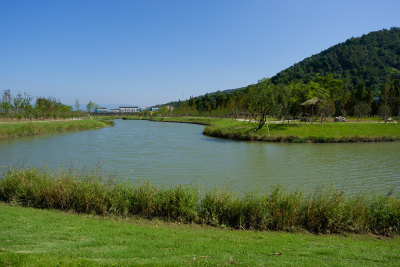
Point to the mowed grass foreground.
(32, 237)
(328, 132)
(48, 127)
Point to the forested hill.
(348, 76)
(370, 58)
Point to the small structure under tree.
(318, 106)
(310, 108)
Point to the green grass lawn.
(33, 237)
(39, 128)
(328, 132)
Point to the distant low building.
(153, 109)
(115, 110)
(101, 110)
(128, 109)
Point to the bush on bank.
(323, 211)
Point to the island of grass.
(328, 132)
(32, 128)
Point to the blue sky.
(152, 52)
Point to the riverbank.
(321, 211)
(33, 237)
(329, 132)
(12, 130)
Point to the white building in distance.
(128, 109)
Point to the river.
(174, 153)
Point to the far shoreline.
(328, 132)
(35, 128)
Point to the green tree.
(361, 93)
(299, 92)
(370, 100)
(317, 90)
(90, 107)
(343, 96)
(6, 104)
(192, 107)
(261, 101)
(362, 109)
(17, 101)
(384, 108)
(43, 107)
(163, 110)
(394, 95)
(326, 108)
(26, 106)
(285, 100)
(396, 85)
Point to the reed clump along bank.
(322, 211)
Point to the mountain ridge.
(370, 58)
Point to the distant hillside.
(369, 58)
(213, 94)
(350, 74)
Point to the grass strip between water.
(322, 211)
(13, 130)
(329, 132)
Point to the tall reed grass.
(322, 211)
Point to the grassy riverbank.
(322, 211)
(329, 132)
(302, 133)
(12, 130)
(32, 237)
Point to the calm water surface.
(174, 153)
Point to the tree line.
(24, 106)
(336, 97)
